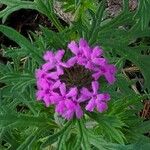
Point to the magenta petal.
(87, 51)
(65, 65)
(68, 114)
(81, 61)
(60, 107)
(71, 61)
(40, 94)
(48, 56)
(59, 55)
(73, 92)
(96, 52)
(83, 43)
(102, 106)
(78, 111)
(60, 70)
(56, 84)
(97, 75)
(39, 73)
(48, 66)
(103, 97)
(82, 98)
(47, 100)
(53, 75)
(73, 47)
(63, 89)
(89, 65)
(91, 105)
(110, 78)
(85, 92)
(70, 105)
(112, 69)
(43, 84)
(55, 98)
(95, 87)
(100, 61)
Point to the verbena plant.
(28, 124)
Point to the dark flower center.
(77, 76)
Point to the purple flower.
(78, 51)
(69, 103)
(54, 61)
(47, 93)
(108, 71)
(68, 109)
(93, 58)
(72, 86)
(95, 99)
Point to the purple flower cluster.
(59, 86)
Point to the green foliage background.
(35, 127)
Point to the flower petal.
(96, 52)
(89, 65)
(70, 105)
(60, 70)
(60, 107)
(42, 84)
(97, 75)
(110, 78)
(73, 47)
(91, 105)
(59, 55)
(83, 43)
(48, 66)
(65, 65)
(39, 73)
(100, 61)
(85, 92)
(55, 99)
(71, 61)
(63, 89)
(78, 111)
(68, 114)
(72, 93)
(103, 97)
(81, 61)
(102, 106)
(47, 100)
(95, 87)
(56, 84)
(48, 56)
(53, 75)
(40, 94)
(82, 98)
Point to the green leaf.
(63, 138)
(23, 120)
(15, 52)
(143, 14)
(108, 126)
(27, 142)
(53, 138)
(144, 127)
(19, 81)
(85, 142)
(46, 7)
(14, 5)
(22, 42)
(79, 137)
(97, 18)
